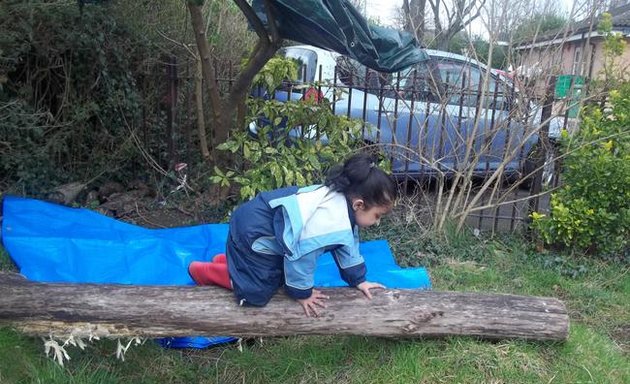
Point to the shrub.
(86, 92)
(279, 156)
(295, 141)
(69, 87)
(591, 211)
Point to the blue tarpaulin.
(54, 243)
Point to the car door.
(485, 133)
(409, 120)
(426, 113)
(394, 107)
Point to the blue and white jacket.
(280, 234)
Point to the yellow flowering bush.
(591, 211)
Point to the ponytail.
(360, 177)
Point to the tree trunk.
(223, 112)
(201, 121)
(219, 130)
(84, 310)
(414, 12)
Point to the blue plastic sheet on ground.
(54, 243)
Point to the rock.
(66, 193)
(109, 188)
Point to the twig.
(184, 45)
(498, 204)
(185, 212)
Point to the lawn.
(596, 292)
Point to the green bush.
(274, 158)
(68, 93)
(591, 211)
(295, 142)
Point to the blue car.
(448, 115)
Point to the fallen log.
(84, 310)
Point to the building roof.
(620, 21)
(621, 16)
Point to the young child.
(275, 238)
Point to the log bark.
(83, 310)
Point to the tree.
(449, 18)
(538, 24)
(481, 48)
(413, 15)
(224, 112)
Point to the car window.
(353, 74)
(462, 85)
(461, 81)
(417, 83)
(307, 60)
(459, 75)
(414, 82)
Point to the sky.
(386, 10)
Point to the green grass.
(597, 294)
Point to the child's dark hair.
(360, 177)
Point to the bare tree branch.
(458, 16)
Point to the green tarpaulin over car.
(336, 25)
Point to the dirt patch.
(143, 208)
(149, 213)
(160, 217)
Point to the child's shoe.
(209, 273)
(200, 272)
(220, 258)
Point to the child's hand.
(366, 286)
(310, 305)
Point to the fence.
(430, 131)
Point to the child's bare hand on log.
(310, 305)
(367, 285)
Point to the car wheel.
(549, 171)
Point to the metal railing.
(406, 114)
